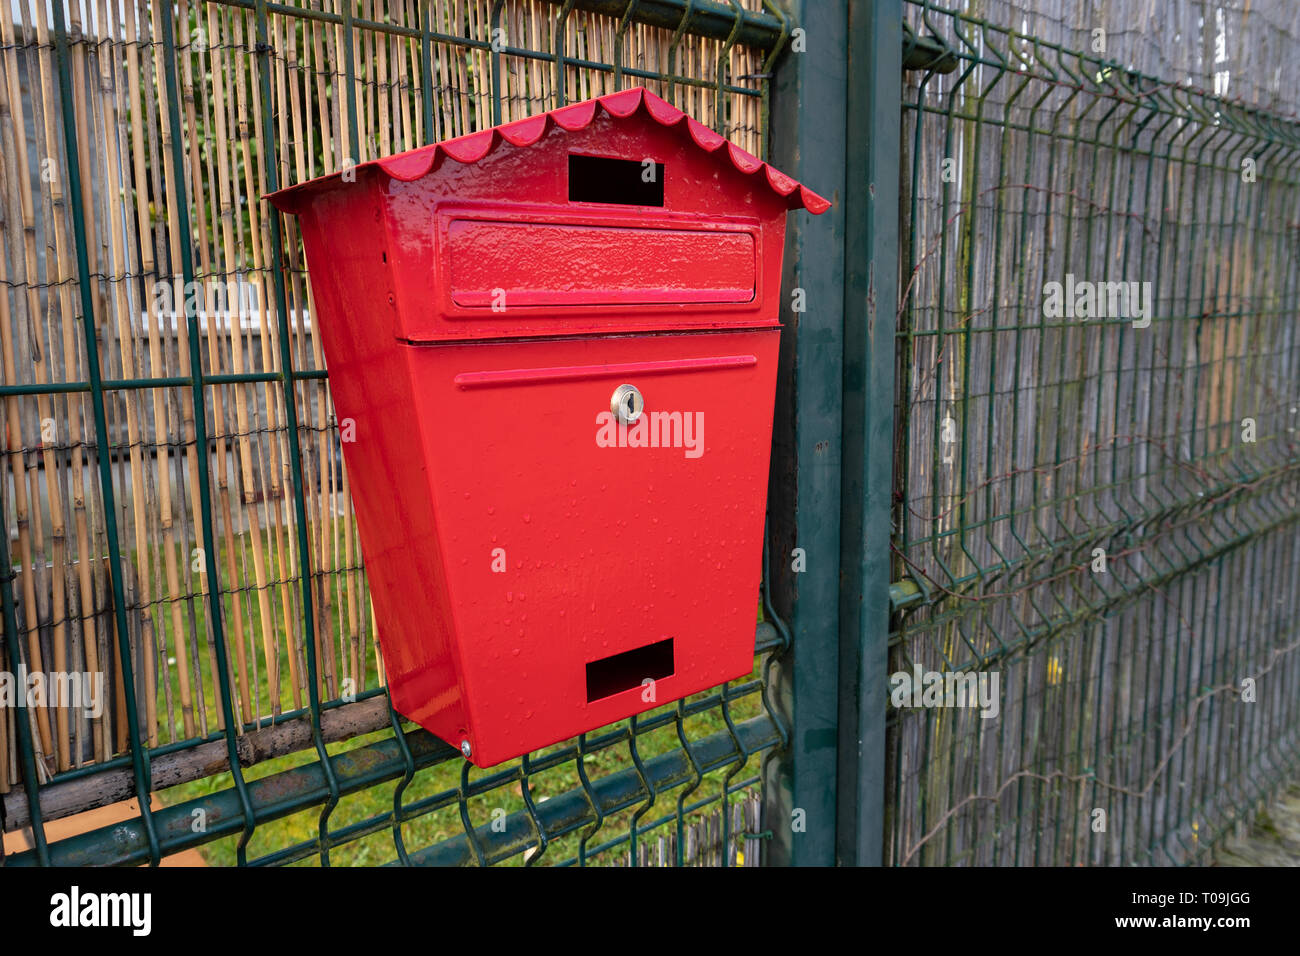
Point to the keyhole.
(627, 403)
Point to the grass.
(194, 621)
(444, 778)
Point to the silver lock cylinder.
(627, 404)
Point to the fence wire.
(1096, 462)
(1095, 482)
(176, 508)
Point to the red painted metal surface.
(675, 265)
(537, 570)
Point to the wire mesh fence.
(1095, 466)
(177, 511)
(1096, 456)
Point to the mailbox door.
(597, 568)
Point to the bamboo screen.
(163, 99)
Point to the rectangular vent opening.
(621, 182)
(620, 672)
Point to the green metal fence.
(1095, 503)
(229, 607)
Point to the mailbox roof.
(473, 147)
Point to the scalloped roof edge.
(472, 147)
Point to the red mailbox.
(557, 343)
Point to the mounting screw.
(465, 749)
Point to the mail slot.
(556, 341)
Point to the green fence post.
(874, 95)
(808, 123)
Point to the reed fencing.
(178, 509)
(1036, 424)
(1097, 503)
